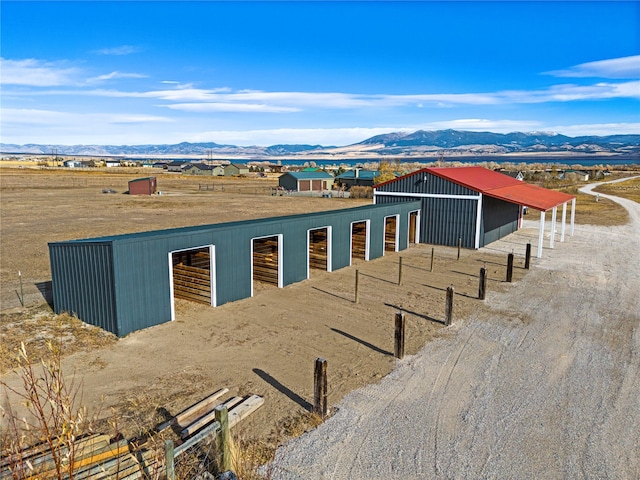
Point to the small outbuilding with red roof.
(473, 204)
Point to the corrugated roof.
(499, 185)
(476, 178)
(309, 175)
(362, 174)
(530, 196)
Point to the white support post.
(573, 216)
(541, 234)
(564, 221)
(554, 214)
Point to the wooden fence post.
(398, 347)
(431, 259)
(169, 460)
(483, 284)
(224, 437)
(527, 258)
(510, 268)
(357, 278)
(320, 387)
(400, 271)
(459, 247)
(21, 290)
(448, 311)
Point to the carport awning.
(503, 187)
(531, 196)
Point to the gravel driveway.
(541, 382)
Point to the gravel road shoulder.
(540, 382)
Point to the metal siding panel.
(443, 220)
(134, 269)
(288, 182)
(424, 182)
(82, 283)
(447, 220)
(500, 218)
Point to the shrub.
(361, 192)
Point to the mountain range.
(418, 143)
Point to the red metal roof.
(499, 185)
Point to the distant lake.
(586, 161)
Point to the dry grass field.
(628, 189)
(263, 345)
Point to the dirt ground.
(264, 345)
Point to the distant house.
(217, 170)
(275, 168)
(143, 186)
(112, 163)
(578, 175)
(198, 169)
(306, 181)
(72, 164)
(357, 177)
(584, 176)
(235, 169)
(518, 175)
(175, 166)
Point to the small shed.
(143, 186)
(357, 177)
(235, 169)
(306, 181)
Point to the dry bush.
(361, 192)
(54, 417)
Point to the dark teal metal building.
(454, 210)
(473, 205)
(128, 282)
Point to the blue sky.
(330, 73)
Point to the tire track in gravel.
(542, 383)
(442, 395)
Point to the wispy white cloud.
(229, 107)
(623, 67)
(190, 99)
(121, 50)
(73, 119)
(600, 129)
(36, 73)
(60, 127)
(114, 76)
(23, 126)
